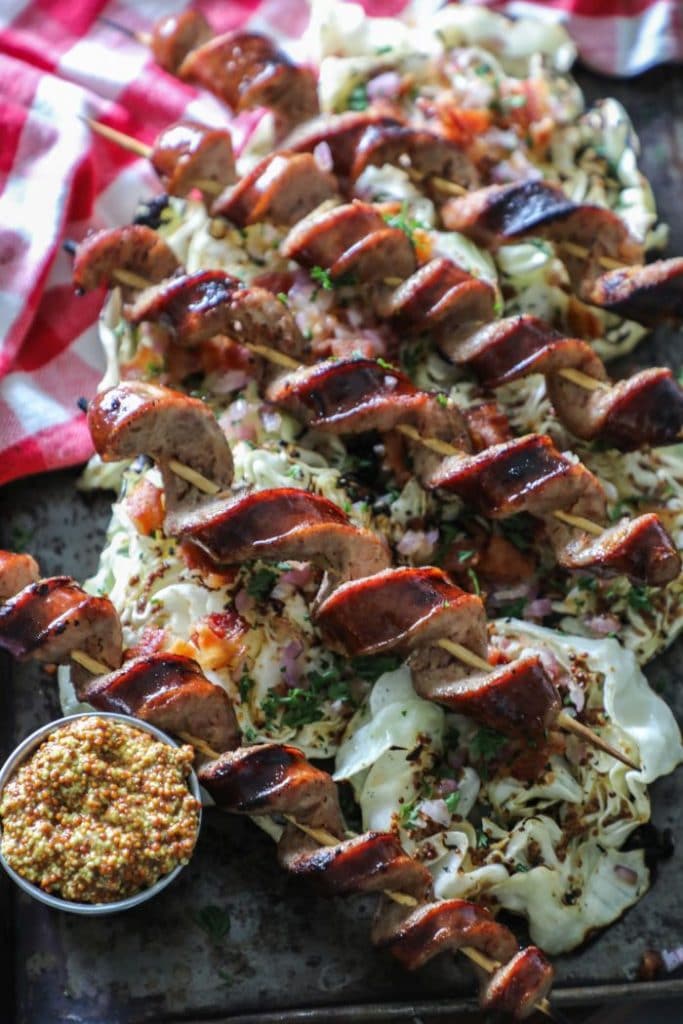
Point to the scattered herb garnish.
(483, 840)
(322, 277)
(404, 222)
(283, 298)
(408, 816)
(452, 801)
(442, 399)
(358, 97)
(639, 598)
(21, 537)
(245, 686)
(464, 555)
(299, 707)
(515, 609)
(371, 666)
(474, 580)
(215, 922)
(486, 743)
(261, 583)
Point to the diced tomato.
(220, 639)
(151, 640)
(462, 125)
(145, 506)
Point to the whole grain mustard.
(99, 812)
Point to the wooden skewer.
(579, 250)
(141, 37)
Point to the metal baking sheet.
(291, 955)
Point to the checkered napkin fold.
(58, 63)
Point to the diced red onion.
(299, 575)
(323, 156)
(446, 786)
(385, 86)
(292, 670)
(414, 541)
(627, 875)
(243, 602)
(673, 958)
(271, 419)
(231, 380)
(602, 625)
(436, 810)
(539, 608)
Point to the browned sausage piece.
(516, 699)
(171, 692)
(199, 306)
(135, 248)
(138, 418)
(371, 862)
(416, 937)
(651, 294)
(176, 35)
(341, 132)
(187, 153)
(350, 239)
(16, 572)
(499, 213)
(423, 151)
(282, 188)
(441, 295)
(286, 522)
(246, 69)
(50, 619)
(273, 778)
(400, 609)
(519, 985)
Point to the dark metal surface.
(290, 955)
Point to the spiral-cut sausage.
(646, 408)
(171, 692)
(134, 249)
(351, 396)
(419, 150)
(174, 36)
(199, 306)
(49, 619)
(652, 294)
(351, 242)
(282, 188)
(136, 418)
(409, 611)
(277, 779)
(341, 134)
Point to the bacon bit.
(197, 560)
(152, 639)
(487, 424)
(145, 506)
(460, 125)
(219, 637)
(497, 657)
(528, 764)
(502, 562)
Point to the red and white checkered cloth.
(57, 61)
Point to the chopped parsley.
(404, 222)
(214, 921)
(283, 298)
(408, 816)
(474, 580)
(442, 399)
(639, 598)
(464, 555)
(322, 277)
(452, 801)
(486, 743)
(299, 707)
(245, 687)
(261, 583)
(358, 97)
(515, 609)
(483, 840)
(371, 666)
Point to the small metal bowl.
(22, 752)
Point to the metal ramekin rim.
(19, 755)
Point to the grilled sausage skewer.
(647, 408)
(138, 417)
(245, 70)
(197, 306)
(127, 689)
